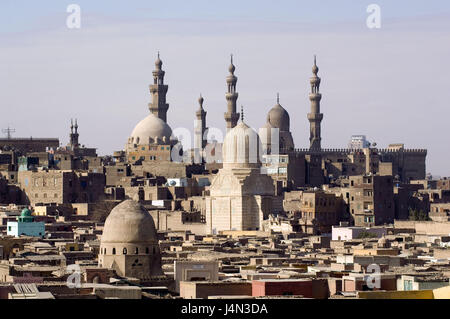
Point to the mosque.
(251, 169)
(152, 142)
(151, 139)
(249, 175)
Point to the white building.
(349, 233)
(358, 142)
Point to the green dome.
(25, 213)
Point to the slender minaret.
(200, 127)
(315, 117)
(74, 134)
(231, 117)
(158, 90)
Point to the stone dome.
(129, 222)
(278, 117)
(151, 130)
(241, 147)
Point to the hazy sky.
(391, 84)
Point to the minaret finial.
(315, 68)
(158, 54)
(231, 58)
(200, 101)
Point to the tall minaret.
(74, 134)
(200, 127)
(315, 117)
(158, 90)
(231, 117)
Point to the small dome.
(25, 213)
(151, 128)
(278, 117)
(242, 147)
(129, 222)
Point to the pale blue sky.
(22, 15)
(391, 84)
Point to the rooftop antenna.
(8, 132)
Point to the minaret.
(200, 127)
(231, 117)
(74, 134)
(158, 90)
(315, 117)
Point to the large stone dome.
(151, 130)
(278, 117)
(129, 222)
(241, 147)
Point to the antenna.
(8, 132)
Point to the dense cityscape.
(249, 217)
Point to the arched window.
(154, 250)
(114, 251)
(137, 251)
(147, 250)
(124, 251)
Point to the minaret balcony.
(315, 96)
(315, 116)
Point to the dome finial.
(231, 58)
(278, 98)
(242, 113)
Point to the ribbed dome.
(241, 147)
(151, 130)
(129, 222)
(278, 117)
